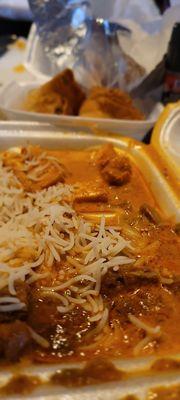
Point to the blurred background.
(16, 17)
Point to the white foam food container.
(38, 64)
(166, 138)
(15, 134)
(13, 94)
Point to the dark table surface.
(11, 27)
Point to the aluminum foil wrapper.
(73, 36)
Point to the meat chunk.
(14, 338)
(93, 195)
(115, 282)
(105, 154)
(140, 294)
(149, 301)
(115, 170)
(62, 330)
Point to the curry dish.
(88, 264)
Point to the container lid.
(166, 141)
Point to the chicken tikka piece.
(115, 169)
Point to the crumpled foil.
(73, 37)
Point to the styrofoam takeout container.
(166, 138)
(13, 94)
(15, 134)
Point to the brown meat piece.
(126, 293)
(114, 282)
(14, 339)
(63, 331)
(148, 301)
(114, 169)
(61, 95)
(92, 195)
(117, 171)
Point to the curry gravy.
(148, 289)
(83, 170)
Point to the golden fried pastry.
(61, 95)
(104, 102)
